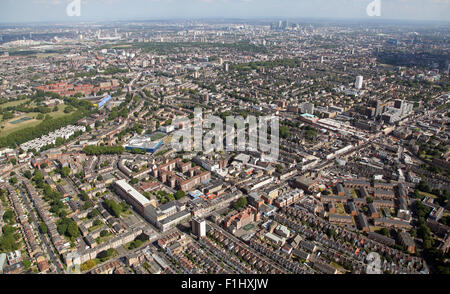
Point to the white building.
(199, 227)
(359, 82)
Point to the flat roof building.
(131, 195)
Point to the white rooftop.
(133, 193)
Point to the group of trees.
(68, 227)
(54, 198)
(49, 124)
(38, 179)
(115, 208)
(284, 132)
(46, 126)
(179, 194)
(164, 197)
(93, 214)
(310, 132)
(106, 254)
(9, 238)
(431, 253)
(442, 196)
(240, 203)
(65, 171)
(13, 181)
(138, 241)
(423, 231)
(8, 216)
(289, 63)
(98, 150)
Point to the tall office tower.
(220, 61)
(198, 227)
(321, 59)
(226, 67)
(359, 82)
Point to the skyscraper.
(359, 82)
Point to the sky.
(23, 11)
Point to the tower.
(359, 82)
(198, 227)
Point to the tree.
(104, 233)
(179, 194)
(8, 216)
(43, 228)
(27, 263)
(384, 232)
(88, 265)
(65, 171)
(93, 214)
(27, 174)
(84, 196)
(114, 208)
(72, 230)
(13, 180)
(240, 203)
(88, 204)
(424, 187)
(284, 132)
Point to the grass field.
(340, 209)
(7, 128)
(13, 103)
(427, 194)
(157, 136)
(338, 267)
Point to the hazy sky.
(55, 10)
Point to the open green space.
(157, 136)
(249, 227)
(28, 120)
(13, 103)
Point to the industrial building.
(144, 143)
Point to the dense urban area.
(90, 181)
